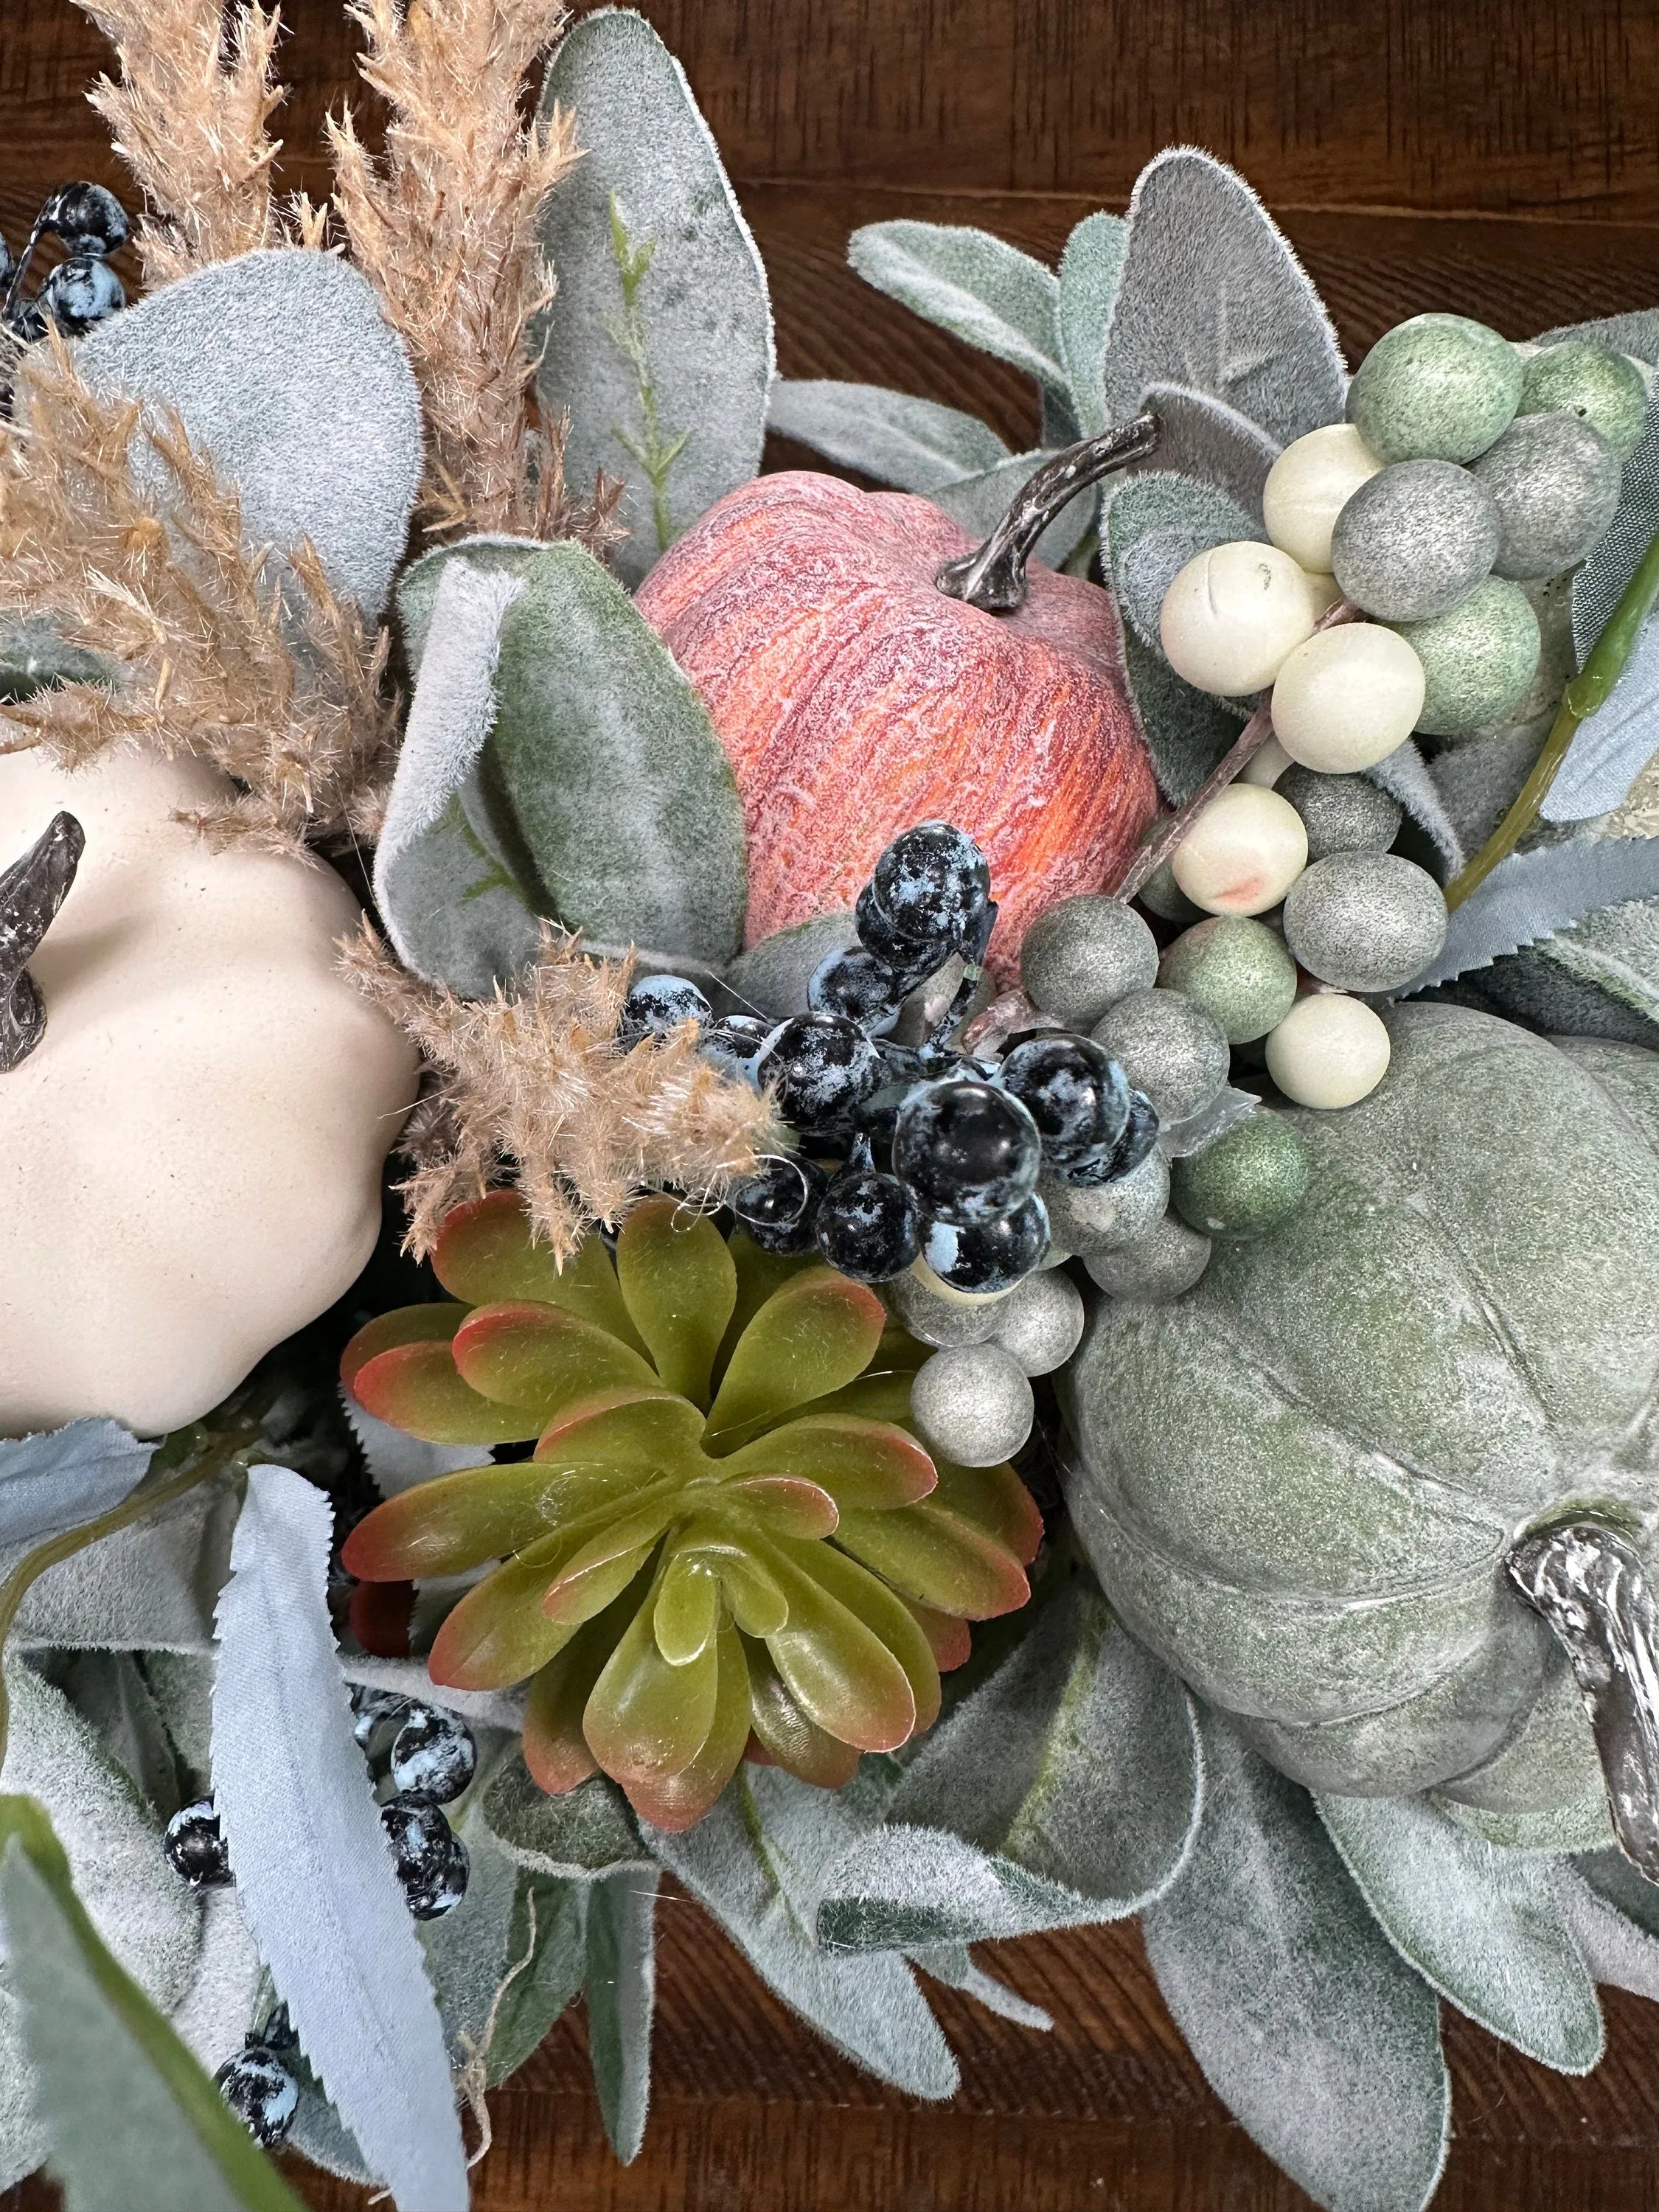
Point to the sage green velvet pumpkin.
(1300, 1480)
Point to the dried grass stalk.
(532, 1088)
(444, 225)
(114, 527)
(189, 119)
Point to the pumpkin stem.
(31, 892)
(993, 578)
(1592, 1589)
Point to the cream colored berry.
(1244, 852)
(1347, 697)
(1232, 614)
(1267, 766)
(1329, 1050)
(1309, 485)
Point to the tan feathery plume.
(115, 529)
(530, 1087)
(189, 119)
(444, 225)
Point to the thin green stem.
(215, 1455)
(1586, 695)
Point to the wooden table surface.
(1499, 157)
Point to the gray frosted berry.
(1340, 813)
(1477, 661)
(1601, 387)
(1086, 1219)
(1414, 540)
(972, 1405)
(1081, 956)
(946, 1323)
(1554, 481)
(772, 976)
(1365, 922)
(1170, 1048)
(434, 1754)
(1160, 1265)
(1436, 387)
(1039, 1324)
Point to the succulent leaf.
(840, 1673)
(811, 1338)
(541, 1356)
(607, 1563)
(786, 1734)
(687, 1613)
(885, 1613)
(940, 1558)
(680, 1285)
(418, 1387)
(873, 1465)
(645, 1717)
(485, 1256)
(407, 1325)
(498, 1633)
(678, 1801)
(783, 1505)
(996, 1501)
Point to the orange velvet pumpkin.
(854, 698)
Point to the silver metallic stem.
(31, 892)
(1591, 1587)
(993, 578)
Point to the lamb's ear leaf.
(621, 1980)
(245, 350)
(1210, 294)
(33, 658)
(584, 1834)
(1308, 2024)
(954, 1964)
(111, 1694)
(757, 1862)
(135, 2123)
(916, 445)
(980, 502)
(1536, 894)
(215, 2012)
(147, 1587)
(974, 285)
(468, 1949)
(1482, 1925)
(454, 912)
(1613, 1913)
(1089, 272)
(547, 1956)
(658, 344)
(604, 775)
(1064, 1790)
(1406, 776)
(1203, 438)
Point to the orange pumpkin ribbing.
(853, 699)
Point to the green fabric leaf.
(150, 1586)
(969, 282)
(135, 2123)
(757, 1862)
(23, 2139)
(453, 912)
(658, 344)
(914, 444)
(1211, 296)
(980, 502)
(1089, 272)
(1310, 2028)
(547, 1954)
(1481, 1925)
(586, 1834)
(621, 1980)
(604, 779)
(1063, 1791)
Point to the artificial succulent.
(727, 1539)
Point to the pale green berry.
(1436, 388)
(1083, 955)
(1249, 1179)
(1160, 1266)
(1601, 388)
(1236, 969)
(1477, 660)
(1340, 813)
(1168, 1048)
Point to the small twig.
(1586, 695)
(1249, 743)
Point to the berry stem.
(1586, 695)
(208, 1458)
(993, 578)
(32, 891)
(1170, 833)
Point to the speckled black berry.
(991, 1256)
(1075, 1092)
(909, 958)
(735, 1043)
(658, 1004)
(854, 982)
(80, 293)
(778, 1208)
(261, 2092)
(870, 1225)
(370, 1707)
(970, 1150)
(195, 1846)
(434, 1755)
(88, 218)
(1092, 1166)
(823, 1067)
(430, 1857)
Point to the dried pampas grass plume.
(531, 1088)
(198, 87)
(444, 226)
(215, 649)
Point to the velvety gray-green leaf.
(1322, 2043)
(214, 2015)
(110, 1691)
(954, 1964)
(758, 1863)
(1615, 1926)
(1202, 438)
(583, 1834)
(974, 285)
(33, 658)
(1211, 296)
(150, 1586)
(658, 344)
(468, 1950)
(916, 445)
(604, 779)
(621, 1981)
(1089, 272)
(547, 1957)
(1481, 1925)
(1616, 949)
(454, 912)
(980, 502)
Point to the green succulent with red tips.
(727, 1539)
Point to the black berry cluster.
(913, 1152)
(82, 289)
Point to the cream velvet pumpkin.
(190, 1161)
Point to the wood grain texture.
(1497, 156)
